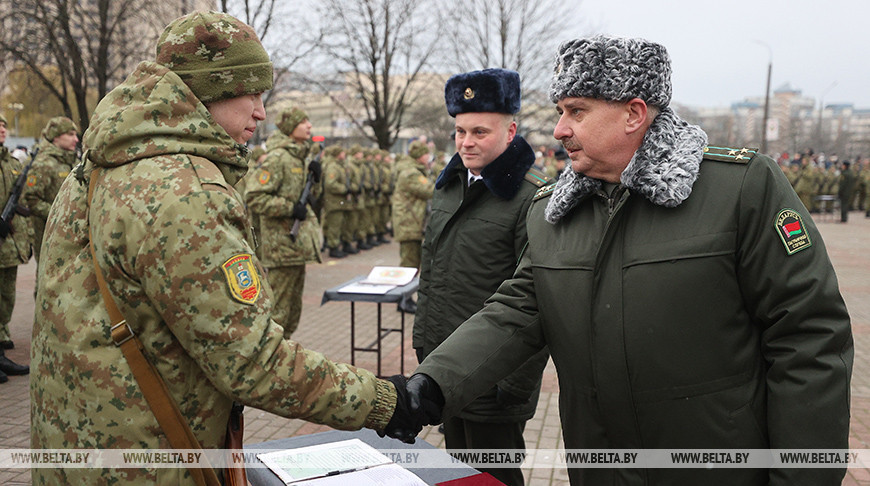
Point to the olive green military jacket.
(15, 249)
(473, 243)
(412, 194)
(715, 324)
(272, 190)
(336, 185)
(50, 167)
(172, 237)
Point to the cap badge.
(469, 93)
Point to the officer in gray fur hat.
(683, 290)
(475, 234)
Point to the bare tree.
(521, 35)
(88, 43)
(380, 47)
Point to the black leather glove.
(5, 229)
(22, 210)
(420, 355)
(403, 424)
(299, 211)
(425, 398)
(315, 169)
(506, 398)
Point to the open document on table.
(338, 463)
(381, 280)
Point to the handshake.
(419, 403)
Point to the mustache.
(570, 145)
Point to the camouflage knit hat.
(216, 55)
(612, 68)
(290, 119)
(57, 126)
(417, 150)
(3, 119)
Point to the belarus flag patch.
(791, 230)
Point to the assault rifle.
(305, 198)
(11, 207)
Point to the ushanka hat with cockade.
(486, 91)
(666, 165)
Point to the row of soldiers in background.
(817, 183)
(28, 190)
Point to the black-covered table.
(400, 295)
(263, 476)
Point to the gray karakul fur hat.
(491, 90)
(612, 68)
(666, 165)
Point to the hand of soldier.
(299, 211)
(315, 169)
(22, 210)
(425, 397)
(5, 229)
(403, 425)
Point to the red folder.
(482, 479)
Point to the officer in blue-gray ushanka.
(683, 290)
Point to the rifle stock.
(11, 204)
(305, 198)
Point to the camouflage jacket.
(171, 236)
(15, 249)
(272, 191)
(336, 185)
(50, 167)
(410, 199)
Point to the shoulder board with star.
(537, 177)
(729, 154)
(544, 191)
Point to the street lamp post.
(766, 96)
(16, 107)
(821, 111)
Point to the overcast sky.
(715, 50)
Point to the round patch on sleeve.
(791, 230)
(31, 180)
(242, 278)
(264, 176)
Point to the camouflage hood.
(154, 113)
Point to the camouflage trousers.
(7, 299)
(364, 223)
(332, 228)
(348, 226)
(410, 253)
(287, 284)
(382, 211)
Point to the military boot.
(362, 245)
(381, 239)
(9, 367)
(371, 241)
(348, 249)
(335, 252)
(3, 377)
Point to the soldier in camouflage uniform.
(413, 192)
(273, 193)
(336, 198)
(172, 238)
(14, 251)
(351, 215)
(382, 212)
(56, 157)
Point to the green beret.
(216, 55)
